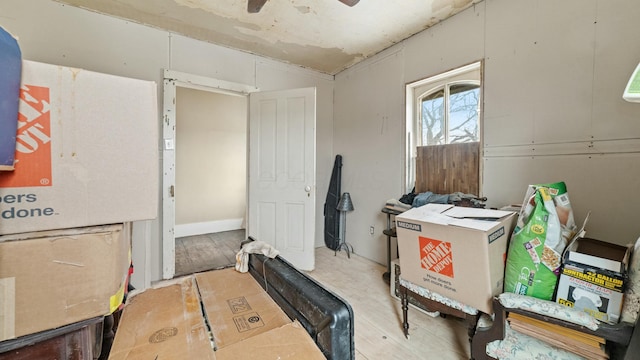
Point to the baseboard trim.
(208, 227)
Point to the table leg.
(387, 275)
(405, 309)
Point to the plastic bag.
(545, 226)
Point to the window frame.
(415, 91)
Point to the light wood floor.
(378, 315)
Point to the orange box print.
(33, 143)
(435, 255)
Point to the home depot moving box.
(86, 151)
(458, 252)
(173, 322)
(53, 278)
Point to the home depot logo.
(33, 141)
(435, 255)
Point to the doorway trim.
(172, 80)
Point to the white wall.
(211, 161)
(368, 133)
(554, 73)
(59, 34)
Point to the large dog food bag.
(544, 227)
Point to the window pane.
(433, 126)
(463, 113)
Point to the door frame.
(172, 80)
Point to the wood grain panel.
(445, 169)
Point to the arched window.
(442, 109)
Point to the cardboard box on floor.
(244, 321)
(457, 252)
(86, 152)
(53, 278)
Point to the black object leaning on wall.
(331, 215)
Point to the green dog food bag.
(545, 225)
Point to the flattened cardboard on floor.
(163, 323)
(167, 322)
(86, 152)
(54, 278)
(290, 341)
(455, 251)
(237, 307)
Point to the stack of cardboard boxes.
(86, 165)
(460, 253)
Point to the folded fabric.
(457, 196)
(254, 247)
(396, 205)
(430, 198)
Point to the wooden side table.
(390, 232)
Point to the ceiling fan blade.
(254, 6)
(349, 2)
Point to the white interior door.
(282, 186)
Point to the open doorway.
(211, 173)
(284, 161)
(213, 113)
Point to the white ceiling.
(323, 35)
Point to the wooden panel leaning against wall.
(445, 169)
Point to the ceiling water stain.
(326, 36)
(303, 9)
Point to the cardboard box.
(86, 152)
(237, 307)
(168, 322)
(290, 341)
(163, 323)
(593, 278)
(54, 278)
(10, 69)
(599, 254)
(457, 252)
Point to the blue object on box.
(10, 73)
